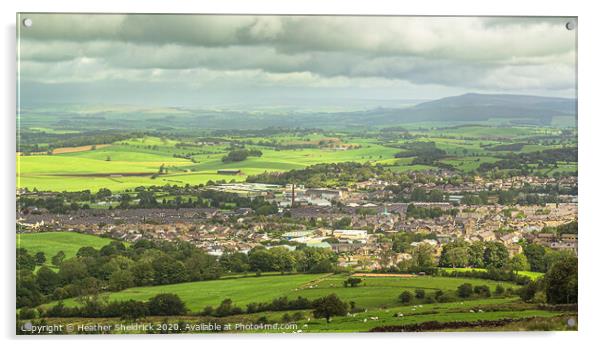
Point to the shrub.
(352, 282)
(527, 292)
(406, 297)
(465, 290)
(419, 293)
(27, 313)
(166, 304)
(430, 299)
(482, 290)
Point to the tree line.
(116, 267)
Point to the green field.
(50, 243)
(532, 275)
(377, 297)
(375, 292)
(135, 162)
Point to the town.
(358, 223)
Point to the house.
(350, 234)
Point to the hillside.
(467, 108)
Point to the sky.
(211, 60)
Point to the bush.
(166, 304)
(207, 311)
(406, 297)
(352, 282)
(430, 299)
(446, 298)
(560, 281)
(527, 292)
(499, 290)
(465, 290)
(482, 291)
(419, 293)
(27, 313)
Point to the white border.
(590, 133)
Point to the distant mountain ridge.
(466, 108)
(481, 107)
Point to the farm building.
(229, 171)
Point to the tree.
(28, 292)
(260, 259)
(475, 254)
(527, 292)
(519, 263)
(47, 280)
(132, 310)
(166, 304)
(495, 255)
(482, 290)
(103, 193)
(423, 256)
(465, 290)
(25, 261)
(406, 297)
(352, 282)
(121, 279)
(144, 273)
(329, 306)
(40, 258)
(458, 257)
(560, 282)
(58, 258)
(169, 270)
(235, 262)
(535, 255)
(72, 271)
(553, 256)
(87, 251)
(201, 266)
(282, 259)
(226, 308)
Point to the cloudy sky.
(194, 60)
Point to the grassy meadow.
(374, 292)
(135, 162)
(50, 243)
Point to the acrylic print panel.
(298, 174)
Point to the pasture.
(374, 292)
(136, 162)
(50, 243)
(376, 298)
(532, 275)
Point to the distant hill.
(479, 107)
(467, 108)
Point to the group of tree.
(113, 267)
(238, 155)
(524, 160)
(281, 259)
(227, 307)
(319, 174)
(116, 267)
(424, 152)
(558, 286)
(166, 304)
(460, 253)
